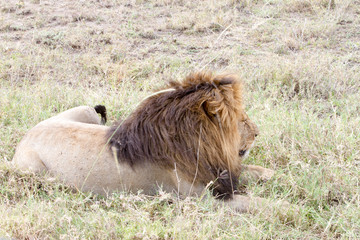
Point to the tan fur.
(74, 147)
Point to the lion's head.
(199, 125)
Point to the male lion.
(190, 135)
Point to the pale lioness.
(189, 135)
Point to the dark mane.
(192, 126)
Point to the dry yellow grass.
(300, 60)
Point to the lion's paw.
(266, 174)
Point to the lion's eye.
(242, 153)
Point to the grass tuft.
(299, 60)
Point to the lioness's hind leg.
(257, 172)
(84, 114)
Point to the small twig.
(116, 160)
(331, 4)
(201, 69)
(216, 41)
(329, 223)
(98, 156)
(197, 160)
(159, 92)
(178, 181)
(222, 33)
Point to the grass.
(299, 59)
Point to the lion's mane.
(193, 127)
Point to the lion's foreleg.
(256, 205)
(245, 204)
(256, 173)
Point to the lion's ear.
(216, 106)
(212, 105)
(225, 98)
(208, 110)
(226, 80)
